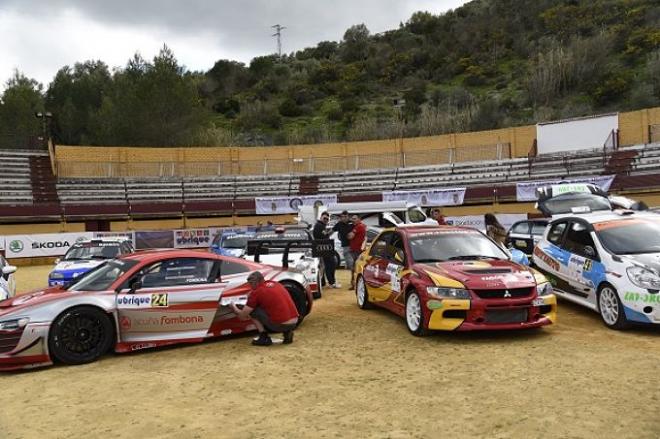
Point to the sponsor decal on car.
(644, 298)
(142, 301)
(546, 258)
(127, 323)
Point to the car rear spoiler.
(320, 247)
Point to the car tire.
(415, 315)
(362, 294)
(80, 335)
(299, 299)
(610, 308)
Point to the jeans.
(329, 264)
(348, 258)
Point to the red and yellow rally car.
(451, 278)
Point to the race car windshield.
(454, 246)
(101, 277)
(564, 203)
(630, 237)
(235, 242)
(92, 251)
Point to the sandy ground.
(353, 373)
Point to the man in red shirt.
(271, 309)
(439, 217)
(357, 237)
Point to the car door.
(375, 271)
(172, 299)
(549, 256)
(582, 262)
(395, 266)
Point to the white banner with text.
(433, 197)
(48, 244)
(280, 205)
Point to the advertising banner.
(154, 239)
(527, 191)
(281, 205)
(49, 244)
(192, 238)
(434, 197)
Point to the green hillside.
(488, 64)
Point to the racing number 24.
(159, 299)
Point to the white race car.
(299, 257)
(606, 260)
(7, 281)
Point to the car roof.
(414, 229)
(163, 253)
(614, 215)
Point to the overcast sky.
(38, 37)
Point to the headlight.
(544, 289)
(448, 293)
(644, 278)
(55, 275)
(12, 325)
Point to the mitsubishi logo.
(507, 293)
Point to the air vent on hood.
(489, 271)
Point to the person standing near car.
(357, 237)
(438, 216)
(321, 231)
(343, 228)
(271, 309)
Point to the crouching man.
(271, 309)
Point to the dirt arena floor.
(353, 373)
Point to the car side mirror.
(589, 251)
(134, 285)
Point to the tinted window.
(577, 239)
(379, 247)
(101, 277)
(556, 232)
(521, 228)
(453, 245)
(89, 250)
(538, 228)
(180, 271)
(630, 236)
(231, 267)
(235, 242)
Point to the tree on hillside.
(19, 102)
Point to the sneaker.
(263, 340)
(288, 337)
(335, 285)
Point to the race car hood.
(32, 298)
(478, 274)
(649, 260)
(77, 266)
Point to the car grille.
(500, 294)
(506, 315)
(9, 340)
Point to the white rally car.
(272, 246)
(85, 255)
(606, 260)
(7, 281)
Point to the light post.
(45, 117)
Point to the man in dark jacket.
(321, 231)
(343, 228)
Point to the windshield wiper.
(470, 257)
(100, 257)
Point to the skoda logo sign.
(16, 246)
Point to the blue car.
(231, 243)
(85, 255)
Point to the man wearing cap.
(271, 309)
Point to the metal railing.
(310, 165)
